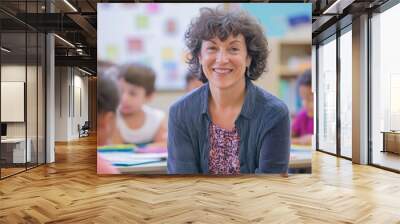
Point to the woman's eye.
(234, 49)
(211, 48)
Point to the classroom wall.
(71, 102)
(163, 100)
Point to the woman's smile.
(222, 71)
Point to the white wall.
(80, 96)
(12, 73)
(33, 126)
(70, 83)
(61, 103)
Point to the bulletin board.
(148, 33)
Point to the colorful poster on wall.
(151, 34)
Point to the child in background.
(107, 103)
(303, 124)
(136, 122)
(192, 82)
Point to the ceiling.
(76, 22)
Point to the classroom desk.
(152, 168)
(300, 159)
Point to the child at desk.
(138, 123)
(107, 102)
(303, 124)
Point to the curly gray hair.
(219, 23)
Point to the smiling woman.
(227, 126)
(222, 61)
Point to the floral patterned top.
(224, 151)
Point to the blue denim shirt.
(263, 125)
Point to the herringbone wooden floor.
(70, 191)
